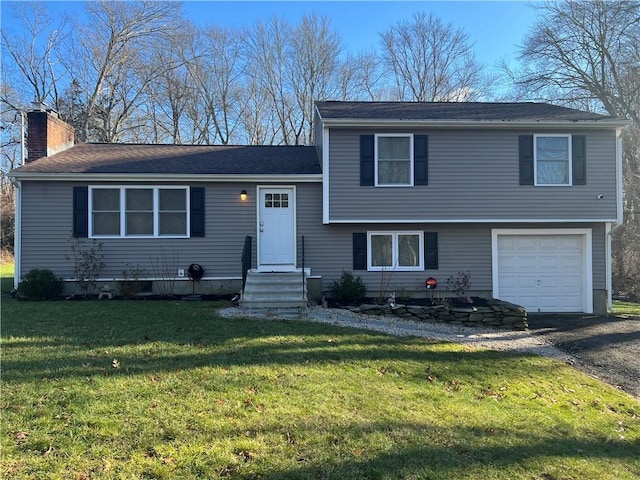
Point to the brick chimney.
(47, 134)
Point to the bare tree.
(216, 70)
(109, 56)
(431, 61)
(361, 77)
(579, 51)
(268, 54)
(30, 54)
(312, 69)
(293, 65)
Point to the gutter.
(373, 122)
(163, 177)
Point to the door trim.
(587, 256)
(277, 268)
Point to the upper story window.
(552, 157)
(139, 212)
(394, 160)
(402, 251)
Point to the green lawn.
(149, 389)
(6, 277)
(626, 309)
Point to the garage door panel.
(526, 261)
(542, 272)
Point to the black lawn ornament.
(195, 273)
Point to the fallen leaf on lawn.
(246, 455)
(20, 436)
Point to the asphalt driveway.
(607, 347)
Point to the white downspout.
(619, 219)
(17, 235)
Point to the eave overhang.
(488, 124)
(162, 177)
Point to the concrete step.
(271, 303)
(274, 290)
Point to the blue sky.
(496, 28)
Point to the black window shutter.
(197, 211)
(526, 159)
(431, 250)
(421, 160)
(80, 211)
(359, 251)
(579, 159)
(366, 160)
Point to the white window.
(401, 251)
(139, 211)
(552, 154)
(394, 160)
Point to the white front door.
(276, 229)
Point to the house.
(523, 196)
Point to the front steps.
(274, 290)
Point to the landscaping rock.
(492, 312)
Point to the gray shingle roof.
(114, 158)
(457, 111)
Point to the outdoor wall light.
(243, 195)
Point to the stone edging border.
(496, 313)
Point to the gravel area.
(607, 347)
(494, 339)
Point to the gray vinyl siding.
(47, 232)
(473, 175)
(462, 247)
(47, 224)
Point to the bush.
(87, 259)
(40, 284)
(131, 283)
(349, 288)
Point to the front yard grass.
(151, 389)
(6, 277)
(626, 309)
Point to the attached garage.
(544, 270)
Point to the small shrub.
(349, 288)
(460, 284)
(87, 259)
(40, 284)
(132, 282)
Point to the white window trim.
(156, 210)
(394, 249)
(411, 158)
(535, 160)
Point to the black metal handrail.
(246, 259)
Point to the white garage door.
(543, 273)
